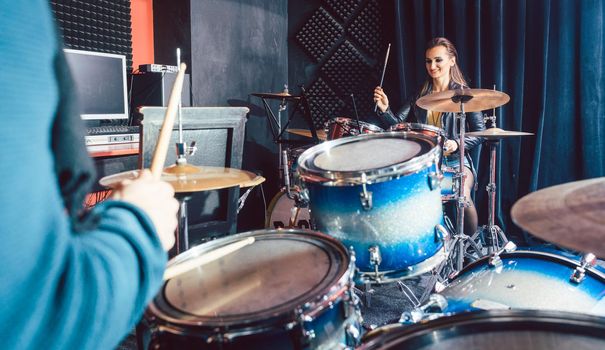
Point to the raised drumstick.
(384, 69)
(161, 148)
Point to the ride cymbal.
(496, 133)
(571, 215)
(475, 100)
(189, 178)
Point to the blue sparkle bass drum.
(379, 193)
(525, 280)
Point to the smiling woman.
(441, 62)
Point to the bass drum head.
(260, 282)
(496, 330)
(282, 209)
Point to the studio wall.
(235, 48)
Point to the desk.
(113, 150)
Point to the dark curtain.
(548, 56)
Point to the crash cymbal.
(496, 133)
(276, 95)
(476, 100)
(571, 215)
(321, 134)
(190, 178)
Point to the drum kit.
(373, 201)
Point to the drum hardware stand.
(459, 245)
(492, 233)
(419, 313)
(299, 197)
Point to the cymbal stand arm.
(461, 200)
(181, 147)
(182, 231)
(286, 175)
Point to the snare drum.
(522, 280)
(495, 330)
(290, 289)
(282, 210)
(342, 127)
(425, 129)
(379, 193)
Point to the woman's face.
(438, 62)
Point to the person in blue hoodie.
(67, 281)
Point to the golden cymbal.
(496, 133)
(321, 134)
(571, 215)
(190, 178)
(275, 95)
(476, 100)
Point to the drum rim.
(492, 320)
(532, 253)
(352, 178)
(370, 126)
(416, 126)
(321, 296)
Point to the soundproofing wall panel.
(96, 25)
(343, 41)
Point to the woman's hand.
(381, 99)
(449, 147)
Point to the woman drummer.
(444, 74)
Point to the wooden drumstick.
(176, 270)
(161, 148)
(384, 69)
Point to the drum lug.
(309, 336)
(441, 233)
(375, 256)
(353, 335)
(578, 275)
(365, 196)
(435, 180)
(494, 260)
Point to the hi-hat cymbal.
(571, 215)
(496, 133)
(190, 178)
(276, 95)
(475, 100)
(321, 134)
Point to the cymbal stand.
(293, 193)
(182, 149)
(492, 230)
(457, 248)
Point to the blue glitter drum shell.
(398, 169)
(401, 222)
(526, 280)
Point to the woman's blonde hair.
(455, 73)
